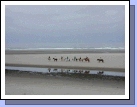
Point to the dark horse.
(55, 59)
(100, 60)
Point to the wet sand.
(26, 83)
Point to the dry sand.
(37, 84)
(112, 61)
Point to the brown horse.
(86, 59)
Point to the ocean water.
(63, 50)
(67, 71)
(109, 48)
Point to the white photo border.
(126, 96)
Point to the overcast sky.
(64, 26)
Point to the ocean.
(63, 50)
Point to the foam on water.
(109, 48)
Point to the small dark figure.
(49, 58)
(55, 59)
(61, 58)
(100, 60)
(80, 59)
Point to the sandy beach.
(112, 61)
(17, 83)
(22, 83)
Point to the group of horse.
(67, 59)
(76, 59)
(80, 59)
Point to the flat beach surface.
(112, 61)
(37, 84)
(24, 83)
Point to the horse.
(55, 59)
(100, 60)
(86, 59)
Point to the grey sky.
(64, 26)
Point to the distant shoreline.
(64, 51)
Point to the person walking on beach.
(80, 59)
(61, 58)
(49, 58)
